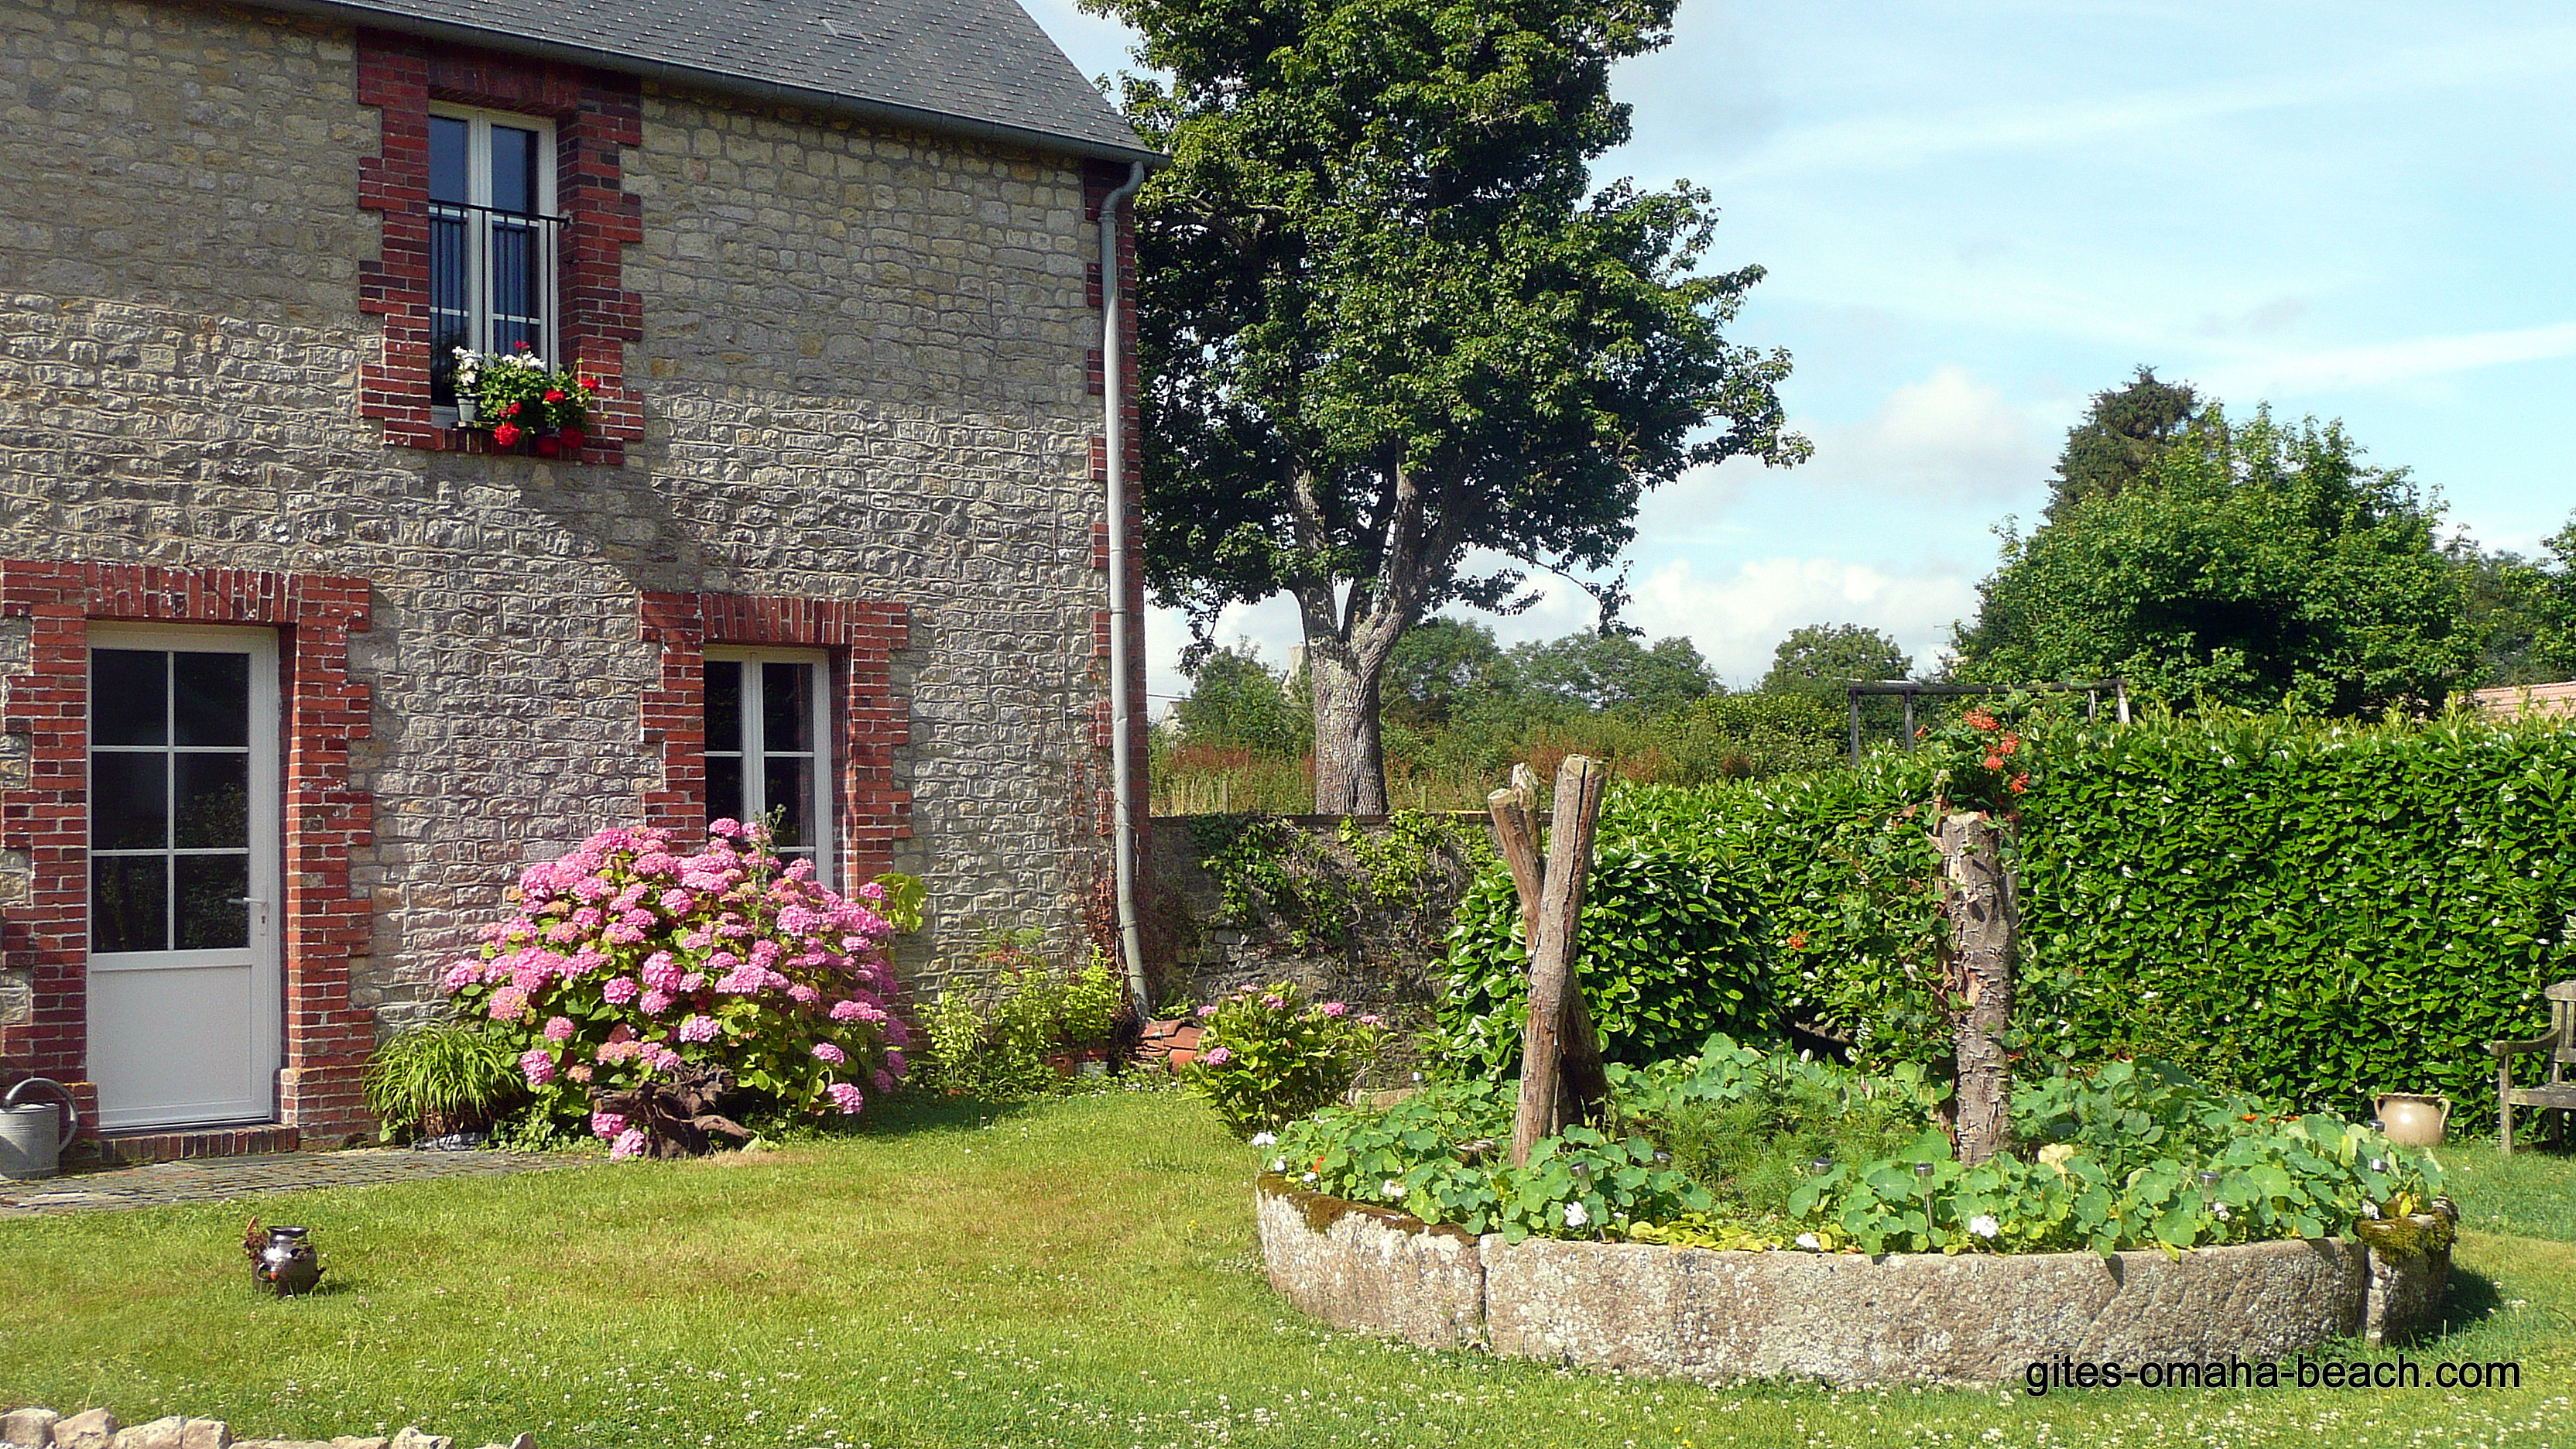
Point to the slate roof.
(976, 66)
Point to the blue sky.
(1976, 215)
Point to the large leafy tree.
(1819, 659)
(1590, 670)
(1387, 321)
(2254, 565)
(2522, 611)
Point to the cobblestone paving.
(215, 1179)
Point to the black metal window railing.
(491, 286)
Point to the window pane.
(210, 698)
(129, 903)
(787, 794)
(724, 705)
(129, 802)
(518, 282)
(128, 696)
(211, 805)
(449, 325)
(447, 140)
(724, 787)
(786, 708)
(514, 169)
(211, 914)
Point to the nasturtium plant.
(629, 959)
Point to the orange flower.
(1979, 719)
(1797, 940)
(2012, 742)
(2019, 784)
(1994, 762)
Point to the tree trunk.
(1544, 1108)
(1977, 974)
(1350, 759)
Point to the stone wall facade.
(863, 373)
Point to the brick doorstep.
(133, 1149)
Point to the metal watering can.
(30, 1146)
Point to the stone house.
(296, 673)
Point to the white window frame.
(755, 804)
(478, 192)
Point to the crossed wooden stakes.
(1561, 1077)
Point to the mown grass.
(1079, 1272)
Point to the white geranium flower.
(1279, 1164)
(1391, 1188)
(1575, 1216)
(1265, 1139)
(1985, 1226)
(2220, 1212)
(1309, 1177)
(1810, 1242)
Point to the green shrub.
(999, 1042)
(1667, 954)
(2117, 1163)
(2313, 911)
(441, 1077)
(1267, 1056)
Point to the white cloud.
(1737, 620)
(1948, 435)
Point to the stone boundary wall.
(34, 1428)
(1724, 1317)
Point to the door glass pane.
(447, 140)
(724, 705)
(211, 804)
(724, 787)
(129, 903)
(129, 799)
(211, 913)
(210, 699)
(514, 169)
(128, 696)
(786, 709)
(787, 791)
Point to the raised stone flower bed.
(1843, 1318)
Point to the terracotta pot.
(2411, 1120)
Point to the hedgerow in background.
(628, 961)
(2315, 911)
(1268, 1056)
(1667, 953)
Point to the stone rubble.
(39, 1428)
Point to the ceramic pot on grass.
(2413, 1120)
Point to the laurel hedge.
(2310, 910)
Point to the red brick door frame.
(325, 1040)
(861, 637)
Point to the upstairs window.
(493, 239)
(769, 721)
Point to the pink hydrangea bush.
(628, 959)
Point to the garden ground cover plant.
(1736, 1148)
(1078, 1273)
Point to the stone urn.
(2412, 1120)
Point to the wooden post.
(1977, 974)
(1544, 1039)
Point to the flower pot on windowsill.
(467, 410)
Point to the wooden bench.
(2560, 1044)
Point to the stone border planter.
(1722, 1317)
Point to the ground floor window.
(768, 722)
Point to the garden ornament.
(2410, 1120)
(284, 1260)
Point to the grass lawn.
(1080, 1272)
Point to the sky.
(1976, 215)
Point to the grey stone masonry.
(863, 372)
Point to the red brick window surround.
(46, 818)
(861, 637)
(594, 114)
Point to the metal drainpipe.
(1122, 702)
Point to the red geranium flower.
(511, 411)
(507, 435)
(554, 394)
(590, 382)
(573, 439)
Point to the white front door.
(184, 1002)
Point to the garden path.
(214, 1179)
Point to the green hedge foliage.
(2319, 912)
(1669, 952)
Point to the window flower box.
(524, 405)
